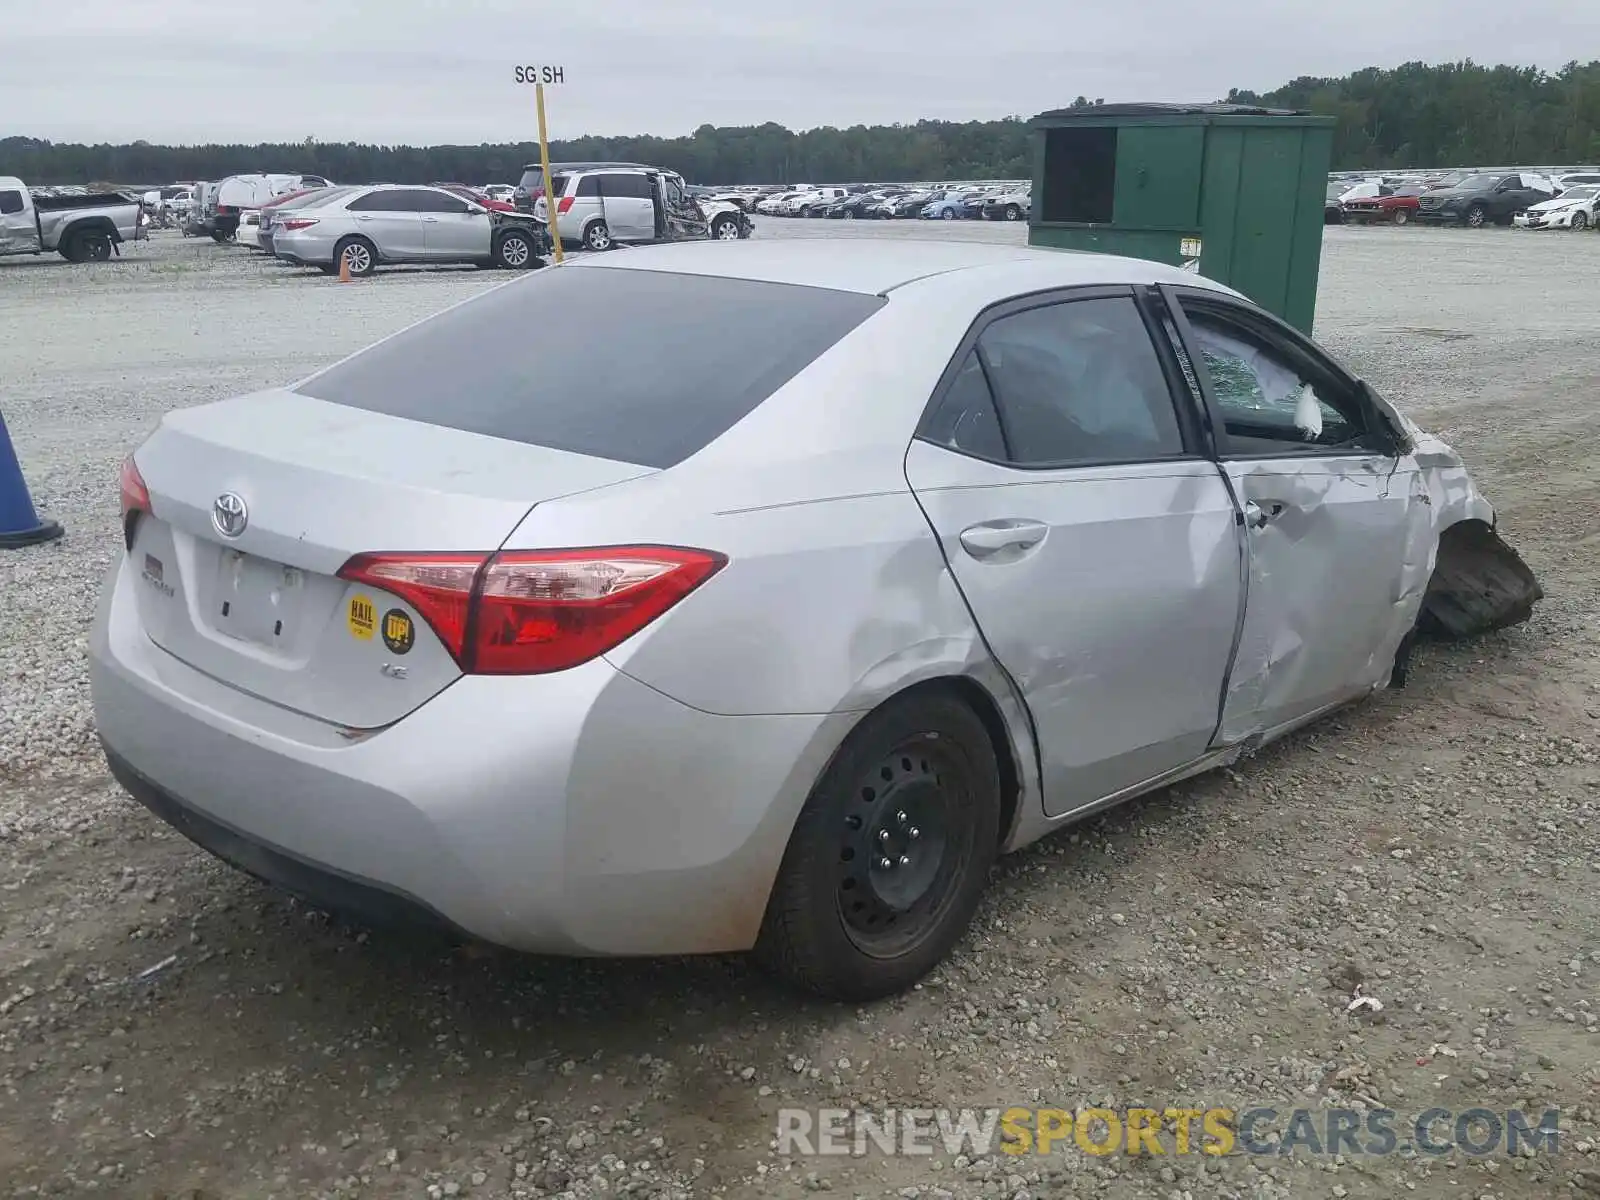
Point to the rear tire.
(890, 855)
(362, 254)
(597, 237)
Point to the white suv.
(801, 205)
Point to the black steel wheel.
(889, 857)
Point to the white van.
(240, 197)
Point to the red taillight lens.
(541, 611)
(563, 204)
(135, 499)
(529, 612)
(224, 209)
(298, 223)
(438, 586)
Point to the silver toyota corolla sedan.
(702, 598)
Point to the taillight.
(297, 223)
(563, 204)
(135, 499)
(224, 209)
(529, 612)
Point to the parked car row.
(1000, 202)
(1525, 199)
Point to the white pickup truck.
(79, 224)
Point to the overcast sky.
(431, 71)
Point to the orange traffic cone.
(344, 268)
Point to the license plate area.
(257, 600)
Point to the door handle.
(1256, 516)
(363, 217)
(431, 220)
(992, 537)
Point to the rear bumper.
(300, 249)
(575, 813)
(318, 884)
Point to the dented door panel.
(1337, 555)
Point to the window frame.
(438, 196)
(1379, 437)
(1184, 409)
(641, 192)
(22, 203)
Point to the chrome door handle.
(992, 537)
(1256, 516)
(363, 217)
(431, 220)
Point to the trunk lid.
(264, 610)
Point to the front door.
(391, 219)
(1336, 536)
(17, 233)
(630, 215)
(685, 220)
(452, 233)
(1096, 547)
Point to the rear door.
(1335, 532)
(450, 231)
(1095, 543)
(392, 219)
(629, 205)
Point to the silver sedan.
(704, 598)
(365, 227)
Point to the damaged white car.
(1575, 208)
(795, 583)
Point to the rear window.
(642, 367)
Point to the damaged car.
(840, 570)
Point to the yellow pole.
(544, 162)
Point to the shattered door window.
(1263, 399)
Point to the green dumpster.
(1233, 191)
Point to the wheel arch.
(988, 693)
(83, 225)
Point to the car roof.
(874, 267)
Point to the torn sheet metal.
(1344, 558)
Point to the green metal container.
(1232, 191)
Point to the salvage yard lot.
(1437, 846)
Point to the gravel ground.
(1436, 846)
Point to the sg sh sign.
(540, 75)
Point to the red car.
(1398, 207)
(466, 193)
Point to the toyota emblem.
(229, 515)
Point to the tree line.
(1416, 115)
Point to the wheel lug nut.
(914, 833)
(883, 835)
(901, 817)
(905, 860)
(885, 863)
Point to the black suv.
(1480, 199)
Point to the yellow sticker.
(363, 617)
(398, 634)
